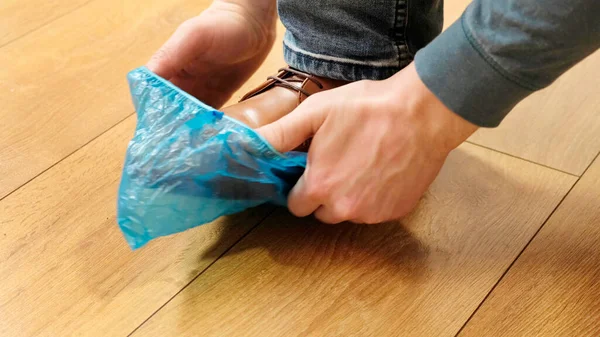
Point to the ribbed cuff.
(466, 79)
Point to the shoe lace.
(282, 82)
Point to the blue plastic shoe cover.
(189, 164)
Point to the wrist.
(444, 128)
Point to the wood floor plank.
(18, 17)
(66, 269)
(66, 83)
(423, 277)
(553, 289)
(558, 126)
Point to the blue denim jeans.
(356, 39)
(496, 54)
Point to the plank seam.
(202, 271)
(65, 157)
(526, 160)
(525, 247)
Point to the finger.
(327, 215)
(190, 40)
(299, 202)
(295, 128)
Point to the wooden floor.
(505, 243)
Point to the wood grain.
(558, 126)
(423, 277)
(18, 17)
(66, 269)
(553, 289)
(66, 83)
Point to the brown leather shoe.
(277, 97)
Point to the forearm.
(500, 52)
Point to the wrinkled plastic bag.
(189, 164)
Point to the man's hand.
(377, 147)
(210, 56)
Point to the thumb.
(161, 63)
(293, 129)
(188, 42)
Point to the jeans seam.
(406, 19)
(399, 35)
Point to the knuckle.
(314, 191)
(369, 219)
(318, 184)
(274, 134)
(372, 220)
(279, 134)
(346, 209)
(374, 215)
(343, 214)
(331, 220)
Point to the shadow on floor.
(301, 242)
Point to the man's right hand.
(210, 56)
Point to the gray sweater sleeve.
(501, 51)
